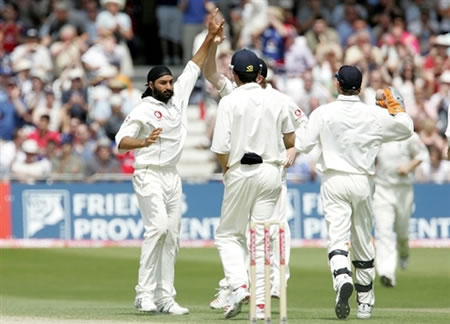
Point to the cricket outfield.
(96, 285)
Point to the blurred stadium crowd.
(66, 70)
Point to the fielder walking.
(350, 134)
(252, 132)
(156, 129)
(393, 204)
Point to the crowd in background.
(66, 69)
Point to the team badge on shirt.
(298, 113)
(158, 114)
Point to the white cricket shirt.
(350, 134)
(393, 155)
(250, 119)
(297, 115)
(171, 117)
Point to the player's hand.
(403, 170)
(291, 155)
(219, 38)
(214, 26)
(152, 138)
(393, 101)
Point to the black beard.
(162, 96)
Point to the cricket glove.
(394, 101)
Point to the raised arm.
(214, 28)
(210, 69)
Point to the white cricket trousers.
(251, 192)
(158, 190)
(347, 205)
(392, 206)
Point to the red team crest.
(158, 114)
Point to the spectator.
(442, 96)
(103, 162)
(430, 136)
(309, 11)
(67, 163)
(129, 93)
(84, 143)
(114, 20)
(420, 109)
(42, 135)
(34, 52)
(375, 82)
(63, 14)
(406, 79)
(437, 60)
(298, 58)
(67, 51)
(11, 28)
(22, 70)
(273, 37)
(108, 51)
(75, 99)
(51, 107)
(320, 33)
(13, 112)
(115, 120)
(28, 167)
(253, 18)
(436, 170)
(170, 21)
(36, 97)
(90, 13)
(9, 151)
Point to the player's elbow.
(289, 140)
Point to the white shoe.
(222, 296)
(342, 308)
(364, 311)
(260, 315)
(173, 308)
(145, 304)
(237, 298)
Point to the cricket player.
(156, 129)
(252, 132)
(350, 134)
(225, 87)
(393, 203)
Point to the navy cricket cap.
(349, 77)
(245, 61)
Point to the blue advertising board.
(109, 211)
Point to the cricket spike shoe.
(237, 298)
(364, 311)
(172, 308)
(342, 308)
(222, 295)
(145, 305)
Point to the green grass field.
(97, 286)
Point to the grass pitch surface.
(97, 286)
